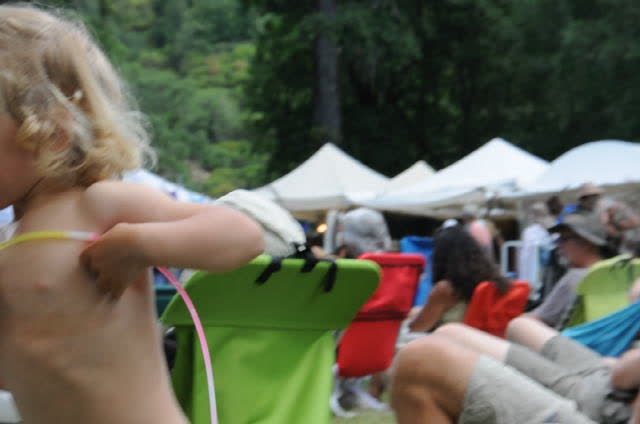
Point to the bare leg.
(530, 332)
(476, 340)
(429, 380)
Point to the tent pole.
(329, 237)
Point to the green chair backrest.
(605, 289)
(272, 344)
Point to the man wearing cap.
(614, 215)
(588, 197)
(582, 241)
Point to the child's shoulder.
(111, 198)
(118, 201)
(118, 191)
(115, 187)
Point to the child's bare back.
(69, 353)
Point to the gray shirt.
(556, 307)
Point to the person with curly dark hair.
(459, 266)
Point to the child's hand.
(114, 260)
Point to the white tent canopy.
(416, 173)
(497, 165)
(327, 180)
(609, 163)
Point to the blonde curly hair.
(71, 106)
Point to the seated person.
(535, 237)
(363, 230)
(479, 229)
(615, 215)
(459, 265)
(458, 375)
(582, 242)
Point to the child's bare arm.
(146, 228)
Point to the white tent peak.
(345, 166)
(412, 175)
(495, 166)
(326, 180)
(603, 162)
(495, 162)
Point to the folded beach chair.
(368, 345)
(605, 289)
(424, 246)
(270, 328)
(611, 335)
(491, 311)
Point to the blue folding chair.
(424, 246)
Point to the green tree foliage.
(415, 80)
(230, 85)
(434, 79)
(236, 165)
(577, 64)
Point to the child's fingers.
(85, 258)
(110, 287)
(103, 286)
(102, 280)
(87, 263)
(117, 288)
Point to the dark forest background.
(241, 91)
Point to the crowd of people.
(457, 373)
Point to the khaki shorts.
(498, 394)
(574, 372)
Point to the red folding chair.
(491, 311)
(368, 345)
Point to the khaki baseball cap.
(584, 225)
(589, 189)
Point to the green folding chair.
(270, 329)
(605, 289)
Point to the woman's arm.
(148, 228)
(626, 371)
(441, 299)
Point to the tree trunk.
(327, 119)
